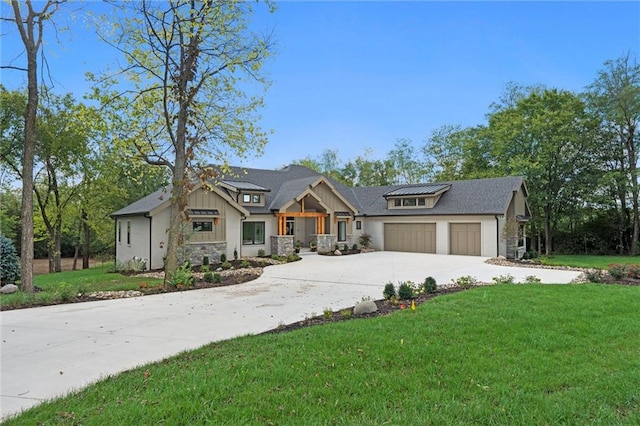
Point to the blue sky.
(349, 76)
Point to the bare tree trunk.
(86, 241)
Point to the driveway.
(50, 351)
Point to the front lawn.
(506, 354)
(62, 287)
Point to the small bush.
(364, 240)
(208, 277)
(205, 269)
(633, 271)
(66, 292)
(205, 260)
(9, 262)
(405, 291)
(217, 278)
(466, 281)
(617, 271)
(336, 248)
(345, 247)
(245, 264)
(292, 257)
(594, 275)
(235, 254)
(354, 247)
(531, 279)
(504, 279)
(389, 291)
(182, 277)
(223, 257)
(327, 313)
(346, 313)
(429, 285)
(226, 265)
(261, 253)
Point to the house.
(254, 210)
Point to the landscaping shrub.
(261, 253)
(389, 291)
(327, 313)
(208, 277)
(66, 292)
(466, 281)
(633, 271)
(292, 257)
(226, 265)
(354, 247)
(594, 276)
(217, 278)
(364, 240)
(345, 247)
(617, 270)
(223, 257)
(405, 290)
(504, 279)
(205, 269)
(531, 279)
(182, 277)
(9, 262)
(235, 254)
(429, 285)
(245, 264)
(205, 260)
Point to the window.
(342, 230)
(119, 232)
(246, 198)
(397, 202)
(291, 225)
(255, 198)
(252, 233)
(409, 202)
(358, 224)
(421, 201)
(128, 232)
(203, 226)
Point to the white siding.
(138, 244)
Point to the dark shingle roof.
(479, 196)
(245, 186)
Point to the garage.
(465, 239)
(410, 237)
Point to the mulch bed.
(384, 308)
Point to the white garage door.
(411, 237)
(465, 239)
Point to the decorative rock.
(337, 253)
(365, 307)
(8, 289)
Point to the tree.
(184, 92)
(405, 159)
(547, 137)
(615, 98)
(30, 25)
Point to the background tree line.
(577, 151)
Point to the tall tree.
(548, 138)
(615, 97)
(406, 161)
(30, 24)
(184, 92)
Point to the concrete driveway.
(50, 351)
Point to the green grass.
(585, 261)
(63, 286)
(508, 355)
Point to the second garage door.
(411, 237)
(465, 239)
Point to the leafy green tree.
(30, 24)
(547, 137)
(406, 161)
(183, 94)
(363, 171)
(614, 97)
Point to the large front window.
(252, 233)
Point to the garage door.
(413, 237)
(465, 239)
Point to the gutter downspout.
(150, 240)
(115, 239)
(497, 236)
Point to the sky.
(358, 76)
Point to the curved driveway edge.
(49, 351)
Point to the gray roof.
(145, 204)
(428, 189)
(478, 196)
(244, 186)
(475, 197)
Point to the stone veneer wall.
(196, 251)
(326, 243)
(282, 245)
